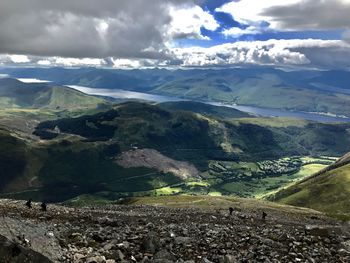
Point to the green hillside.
(327, 191)
(13, 159)
(247, 152)
(262, 89)
(185, 135)
(24, 105)
(246, 157)
(204, 109)
(16, 94)
(61, 170)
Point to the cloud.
(311, 15)
(187, 22)
(251, 12)
(19, 59)
(140, 33)
(24, 60)
(305, 53)
(111, 62)
(237, 32)
(291, 15)
(297, 53)
(91, 28)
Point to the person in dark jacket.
(43, 206)
(29, 203)
(230, 210)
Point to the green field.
(260, 188)
(245, 184)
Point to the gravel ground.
(120, 233)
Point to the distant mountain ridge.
(303, 90)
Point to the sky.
(312, 34)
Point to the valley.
(174, 131)
(246, 179)
(98, 154)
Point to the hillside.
(64, 169)
(24, 105)
(183, 134)
(191, 229)
(265, 87)
(143, 149)
(302, 90)
(327, 190)
(13, 157)
(16, 94)
(204, 109)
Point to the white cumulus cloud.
(236, 32)
(19, 58)
(294, 52)
(188, 21)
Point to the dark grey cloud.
(311, 15)
(78, 28)
(327, 58)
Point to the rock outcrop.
(11, 252)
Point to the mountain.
(144, 149)
(150, 126)
(24, 105)
(16, 94)
(138, 148)
(308, 91)
(327, 190)
(204, 109)
(302, 90)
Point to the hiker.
(230, 210)
(264, 216)
(43, 206)
(29, 203)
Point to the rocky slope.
(143, 233)
(17, 253)
(151, 158)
